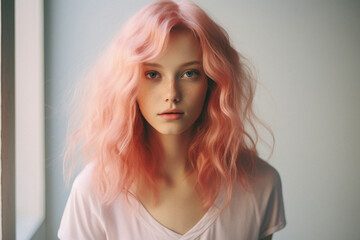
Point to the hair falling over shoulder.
(110, 131)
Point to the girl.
(166, 131)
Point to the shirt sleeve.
(273, 213)
(81, 218)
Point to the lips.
(172, 111)
(171, 114)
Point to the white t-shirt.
(250, 215)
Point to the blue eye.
(191, 74)
(152, 75)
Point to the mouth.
(171, 111)
(168, 113)
(171, 114)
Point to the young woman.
(168, 131)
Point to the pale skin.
(174, 80)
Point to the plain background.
(307, 59)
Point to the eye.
(152, 75)
(191, 74)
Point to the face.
(172, 90)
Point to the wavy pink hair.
(111, 130)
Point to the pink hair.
(112, 131)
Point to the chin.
(169, 128)
(170, 131)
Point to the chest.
(180, 218)
(177, 210)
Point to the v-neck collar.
(165, 233)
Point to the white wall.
(307, 56)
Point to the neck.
(174, 154)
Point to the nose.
(172, 92)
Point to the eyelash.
(148, 73)
(195, 72)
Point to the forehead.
(182, 47)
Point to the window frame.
(7, 119)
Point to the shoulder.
(261, 188)
(82, 218)
(84, 180)
(266, 190)
(258, 204)
(256, 208)
(84, 187)
(264, 178)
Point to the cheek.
(201, 92)
(143, 106)
(198, 97)
(142, 100)
(147, 92)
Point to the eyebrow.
(182, 65)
